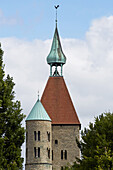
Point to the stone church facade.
(52, 125)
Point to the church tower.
(38, 139)
(58, 104)
(53, 125)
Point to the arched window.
(48, 136)
(48, 152)
(38, 152)
(65, 154)
(26, 153)
(26, 137)
(52, 155)
(35, 152)
(38, 135)
(61, 154)
(35, 135)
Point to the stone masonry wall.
(39, 167)
(66, 137)
(32, 162)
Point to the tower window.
(38, 135)
(65, 154)
(38, 152)
(35, 152)
(56, 142)
(52, 155)
(26, 137)
(48, 151)
(35, 135)
(48, 135)
(26, 153)
(61, 154)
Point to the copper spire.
(56, 56)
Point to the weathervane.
(56, 12)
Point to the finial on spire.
(38, 95)
(56, 56)
(56, 13)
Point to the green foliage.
(11, 132)
(96, 145)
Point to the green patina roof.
(56, 55)
(38, 112)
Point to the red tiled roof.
(57, 102)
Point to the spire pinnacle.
(56, 13)
(38, 95)
(56, 57)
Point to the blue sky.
(35, 18)
(86, 30)
(26, 30)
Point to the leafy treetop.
(11, 130)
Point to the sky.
(86, 33)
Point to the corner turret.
(38, 139)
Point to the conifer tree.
(11, 130)
(96, 145)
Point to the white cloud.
(88, 71)
(100, 41)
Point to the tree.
(96, 145)
(11, 130)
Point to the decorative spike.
(38, 95)
(56, 13)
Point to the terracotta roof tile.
(57, 102)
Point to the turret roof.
(38, 112)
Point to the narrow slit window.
(26, 153)
(38, 152)
(35, 135)
(35, 152)
(48, 152)
(48, 134)
(38, 135)
(65, 154)
(52, 155)
(56, 142)
(61, 154)
(26, 137)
